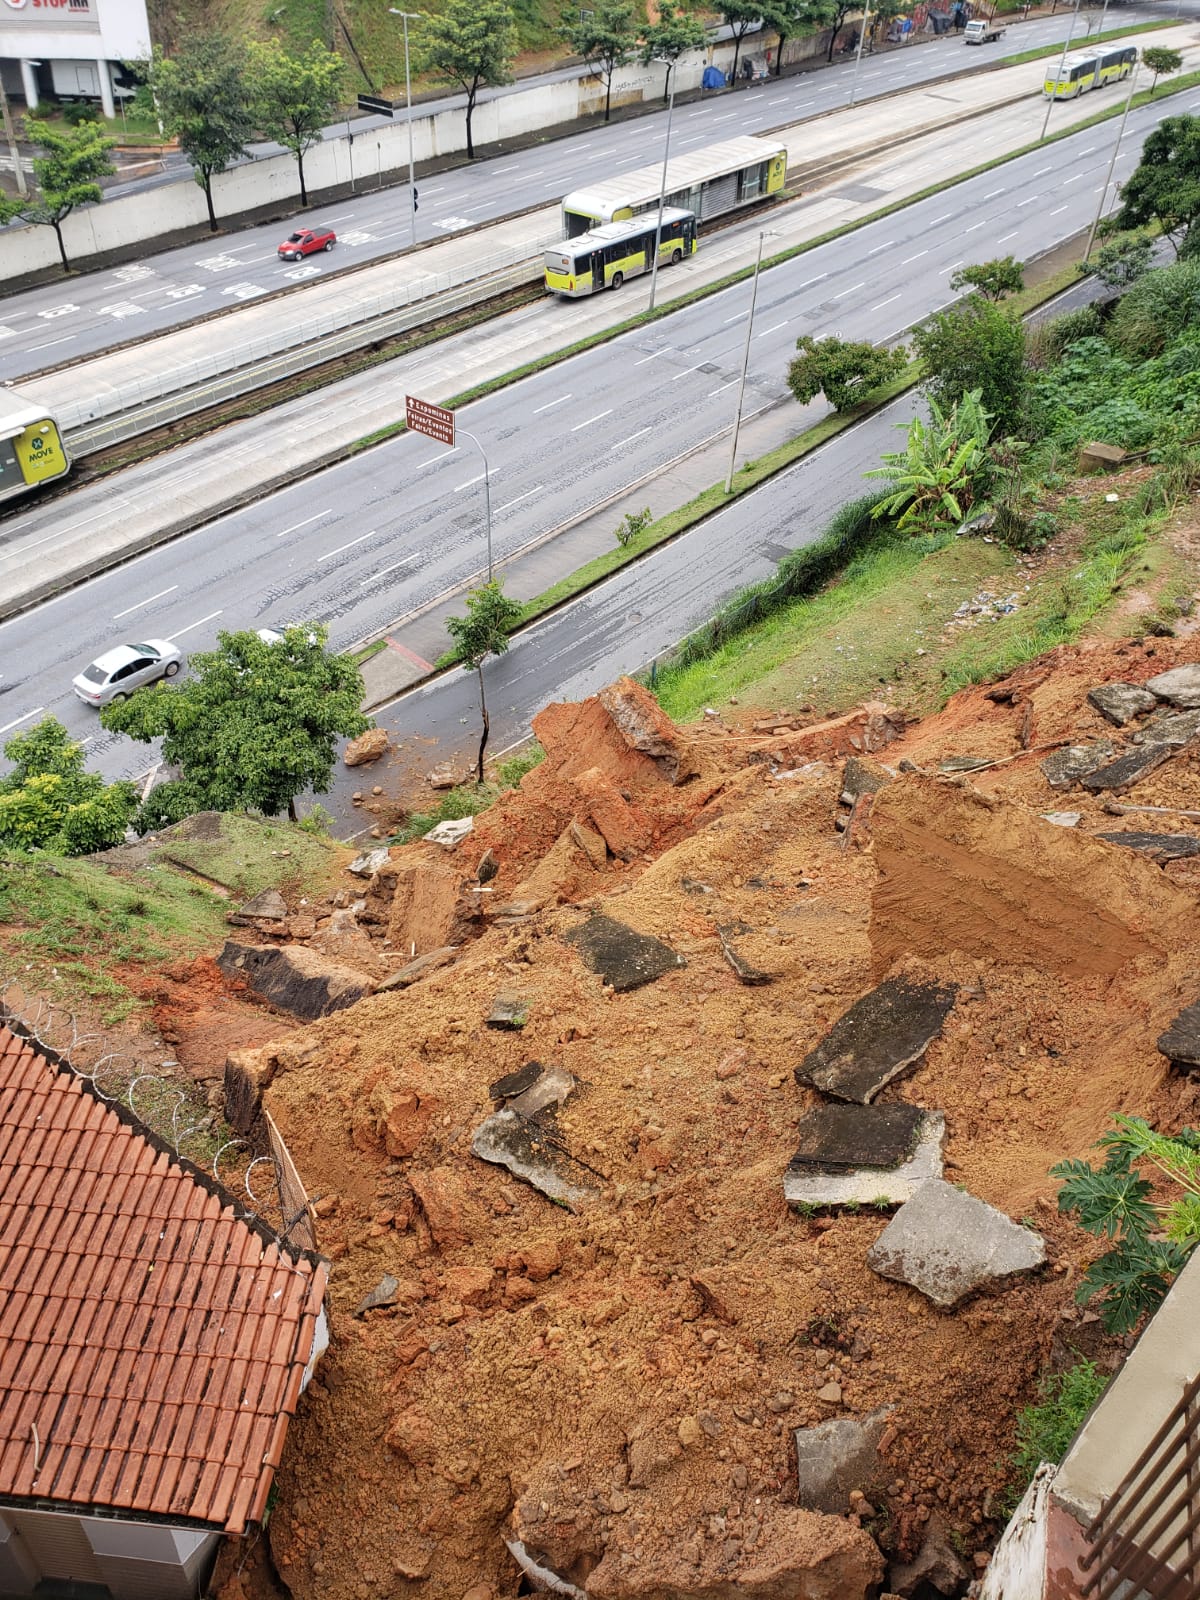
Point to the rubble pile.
(685, 1174)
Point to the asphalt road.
(378, 537)
(60, 322)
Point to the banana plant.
(935, 476)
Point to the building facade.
(71, 49)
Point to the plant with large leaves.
(937, 476)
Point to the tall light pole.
(410, 16)
(862, 34)
(487, 491)
(1111, 164)
(662, 188)
(737, 421)
(1059, 73)
(11, 138)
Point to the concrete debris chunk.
(1063, 819)
(429, 962)
(294, 978)
(881, 1034)
(385, 1293)
(534, 1153)
(936, 1565)
(509, 1010)
(750, 975)
(1181, 686)
(1157, 846)
(946, 1243)
(534, 1089)
(619, 955)
(488, 867)
(1181, 1042)
(1128, 769)
(835, 1457)
(515, 1083)
(1121, 702)
(369, 863)
(269, 906)
(953, 764)
(864, 1161)
(862, 776)
(442, 776)
(1177, 728)
(450, 833)
(1068, 766)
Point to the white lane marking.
(537, 489)
(383, 571)
(459, 487)
(1041, 170)
(808, 282)
(942, 271)
(64, 340)
(1006, 238)
(550, 404)
(117, 615)
(432, 461)
(945, 218)
(179, 632)
(917, 257)
(1032, 201)
(1059, 212)
(653, 357)
(721, 389)
(686, 373)
(622, 443)
(504, 169)
(17, 721)
(993, 193)
(883, 303)
(599, 417)
(1073, 177)
(316, 517)
(329, 554)
(850, 290)
(884, 246)
(774, 328)
(738, 318)
(975, 226)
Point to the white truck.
(979, 31)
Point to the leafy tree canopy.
(975, 346)
(740, 17)
(1122, 261)
(845, 371)
(48, 802)
(992, 279)
(675, 33)
(483, 632)
(1164, 187)
(472, 43)
(788, 18)
(606, 38)
(65, 175)
(1161, 62)
(295, 96)
(207, 102)
(254, 725)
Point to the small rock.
(451, 833)
(442, 777)
(488, 867)
(369, 863)
(509, 1011)
(831, 1394)
(1068, 766)
(689, 1432)
(384, 1293)
(1063, 819)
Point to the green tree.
(606, 38)
(841, 10)
(975, 345)
(294, 96)
(1164, 187)
(992, 279)
(471, 43)
(1162, 62)
(675, 33)
(483, 632)
(740, 17)
(48, 802)
(845, 371)
(206, 103)
(254, 726)
(936, 476)
(1122, 261)
(787, 18)
(65, 176)
(1150, 1239)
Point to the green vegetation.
(483, 632)
(472, 44)
(676, 31)
(294, 96)
(1164, 187)
(606, 38)
(469, 800)
(48, 802)
(65, 176)
(845, 371)
(207, 103)
(992, 279)
(1046, 1427)
(975, 346)
(1150, 1240)
(631, 525)
(1122, 261)
(935, 478)
(1161, 62)
(1056, 49)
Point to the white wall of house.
(133, 1560)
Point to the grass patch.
(1046, 1427)
(246, 854)
(1084, 40)
(469, 799)
(368, 650)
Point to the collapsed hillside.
(607, 1383)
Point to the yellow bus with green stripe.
(1090, 69)
(604, 257)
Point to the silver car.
(118, 672)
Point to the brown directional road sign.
(423, 417)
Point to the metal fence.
(1144, 1543)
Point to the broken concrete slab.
(1063, 819)
(451, 833)
(881, 1035)
(269, 906)
(746, 973)
(514, 1083)
(509, 1010)
(369, 863)
(385, 1293)
(1177, 728)
(862, 776)
(946, 1243)
(824, 1172)
(622, 957)
(1120, 703)
(429, 962)
(953, 764)
(1157, 846)
(533, 1153)
(534, 1089)
(1181, 685)
(1128, 769)
(488, 866)
(835, 1457)
(1068, 766)
(1181, 1042)
(294, 978)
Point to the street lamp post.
(487, 491)
(862, 34)
(662, 189)
(1111, 164)
(737, 421)
(1058, 75)
(410, 16)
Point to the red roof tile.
(153, 1339)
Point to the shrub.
(1047, 341)
(1046, 1427)
(79, 111)
(1156, 309)
(634, 522)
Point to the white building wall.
(133, 1560)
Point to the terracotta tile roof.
(152, 1340)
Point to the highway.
(377, 537)
(62, 322)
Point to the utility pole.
(11, 139)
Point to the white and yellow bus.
(604, 257)
(708, 183)
(1090, 69)
(31, 448)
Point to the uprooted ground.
(618, 1387)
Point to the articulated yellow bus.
(708, 183)
(1090, 69)
(31, 447)
(604, 257)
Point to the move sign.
(422, 417)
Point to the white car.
(118, 672)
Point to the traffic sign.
(374, 102)
(422, 417)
